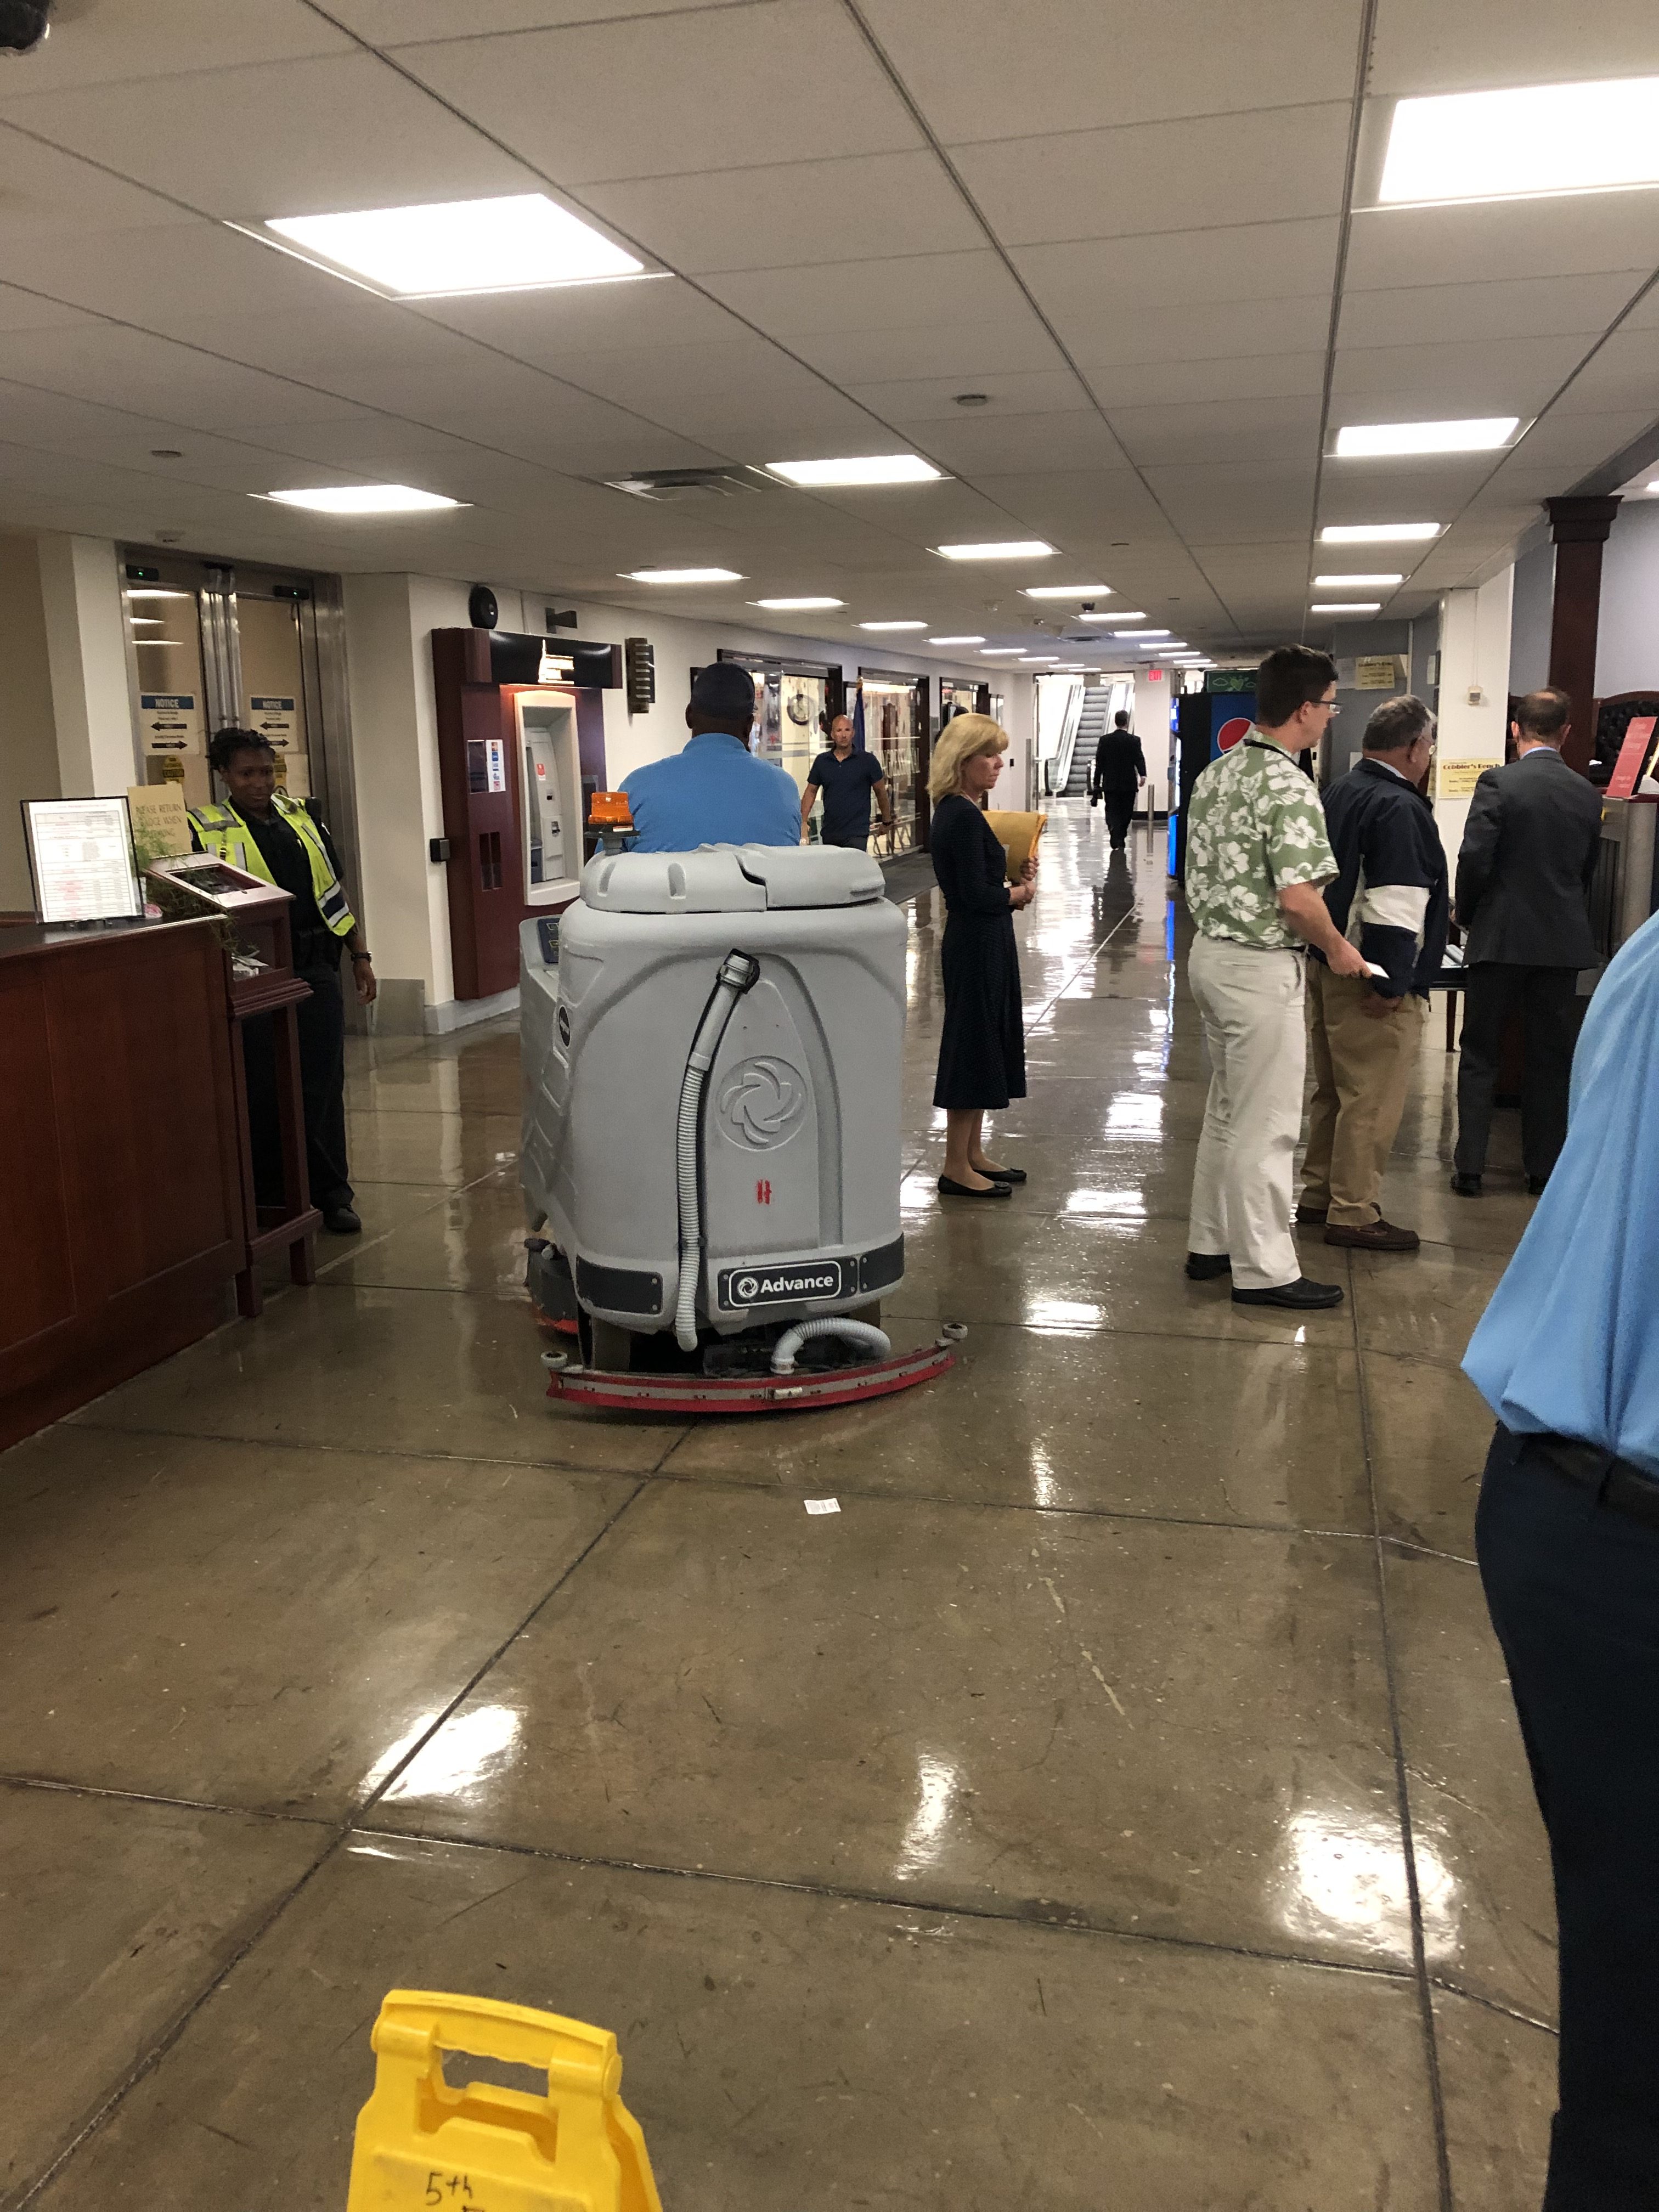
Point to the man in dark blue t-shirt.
(846, 780)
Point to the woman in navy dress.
(981, 1053)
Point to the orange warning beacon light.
(483, 2148)
(609, 809)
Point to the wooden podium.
(260, 980)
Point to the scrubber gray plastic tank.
(713, 1058)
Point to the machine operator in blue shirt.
(1567, 1356)
(713, 790)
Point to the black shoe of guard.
(1301, 1296)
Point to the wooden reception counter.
(121, 1206)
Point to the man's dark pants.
(851, 841)
(1119, 807)
(320, 1020)
(1546, 999)
(1572, 1585)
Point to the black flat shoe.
(1301, 1296)
(1005, 1175)
(1467, 1186)
(341, 1221)
(1536, 1186)
(1206, 1266)
(948, 1188)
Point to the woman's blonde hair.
(956, 745)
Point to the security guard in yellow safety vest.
(268, 834)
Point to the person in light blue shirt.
(713, 790)
(1567, 1534)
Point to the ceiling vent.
(686, 484)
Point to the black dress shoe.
(342, 1221)
(1005, 1175)
(1205, 1267)
(949, 1188)
(1467, 1186)
(1535, 1185)
(1301, 1296)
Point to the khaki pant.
(1250, 1000)
(1362, 1065)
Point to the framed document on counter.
(82, 861)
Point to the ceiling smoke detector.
(23, 25)
(973, 399)
(667, 484)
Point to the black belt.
(1618, 1482)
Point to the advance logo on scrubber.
(737, 1287)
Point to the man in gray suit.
(1523, 879)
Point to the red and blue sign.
(1233, 717)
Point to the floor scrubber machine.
(713, 1071)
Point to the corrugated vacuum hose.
(874, 1340)
(739, 972)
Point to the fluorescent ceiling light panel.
(978, 638)
(1378, 533)
(1013, 549)
(870, 469)
(1480, 434)
(1349, 607)
(1038, 659)
(1140, 633)
(996, 652)
(788, 606)
(897, 625)
(1353, 583)
(362, 498)
(156, 594)
(681, 576)
(513, 244)
(1066, 592)
(1523, 144)
(1117, 614)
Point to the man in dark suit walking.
(1523, 879)
(1119, 771)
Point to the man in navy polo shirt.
(713, 790)
(846, 780)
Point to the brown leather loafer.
(1314, 1215)
(1375, 1237)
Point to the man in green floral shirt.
(1256, 854)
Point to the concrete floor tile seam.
(1447, 1987)
(1402, 1789)
(355, 1250)
(148, 2060)
(66, 1786)
(440, 1719)
(733, 1486)
(1429, 1552)
(1063, 1920)
(363, 1450)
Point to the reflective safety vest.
(224, 834)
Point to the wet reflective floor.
(1118, 1803)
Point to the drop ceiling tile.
(1220, 430)
(1075, 509)
(1236, 379)
(1579, 442)
(634, 99)
(1515, 307)
(45, 190)
(742, 429)
(1426, 382)
(981, 443)
(299, 138)
(924, 399)
(1245, 262)
(163, 276)
(981, 70)
(574, 319)
(1401, 491)
(1188, 331)
(156, 378)
(1265, 166)
(974, 350)
(905, 293)
(96, 44)
(1424, 47)
(793, 214)
(391, 23)
(358, 346)
(1580, 234)
(29, 311)
(1621, 374)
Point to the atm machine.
(550, 767)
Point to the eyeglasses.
(1330, 707)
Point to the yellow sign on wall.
(1376, 671)
(1456, 779)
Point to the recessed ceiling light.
(1038, 659)
(894, 625)
(512, 245)
(1480, 434)
(870, 469)
(1140, 633)
(1066, 592)
(1523, 144)
(362, 499)
(1353, 583)
(155, 594)
(147, 622)
(1013, 549)
(681, 576)
(1117, 614)
(994, 651)
(1376, 534)
(1349, 607)
(158, 641)
(978, 638)
(786, 607)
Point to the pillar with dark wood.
(1580, 528)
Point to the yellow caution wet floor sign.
(483, 2148)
